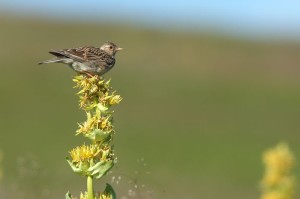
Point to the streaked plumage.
(87, 60)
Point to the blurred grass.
(200, 108)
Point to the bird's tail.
(54, 60)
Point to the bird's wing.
(81, 54)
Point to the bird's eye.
(110, 47)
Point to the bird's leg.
(86, 74)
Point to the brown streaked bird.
(87, 60)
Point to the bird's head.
(110, 48)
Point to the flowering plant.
(93, 161)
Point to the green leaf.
(102, 108)
(100, 169)
(110, 191)
(69, 196)
(81, 168)
(98, 135)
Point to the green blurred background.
(199, 109)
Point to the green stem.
(90, 189)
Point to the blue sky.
(266, 18)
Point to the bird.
(87, 60)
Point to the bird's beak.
(119, 49)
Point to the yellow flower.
(272, 195)
(84, 153)
(104, 123)
(280, 158)
(105, 196)
(271, 178)
(115, 99)
(278, 182)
